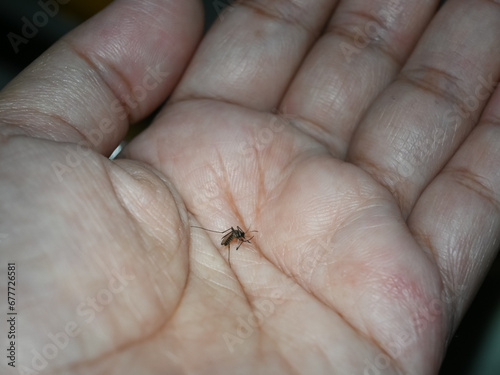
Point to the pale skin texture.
(360, 138)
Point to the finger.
(360, 53)
(253, 52)
(457, 219)
(111, 71)
(421, 119)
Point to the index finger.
(111, 71)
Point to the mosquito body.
(230, 235)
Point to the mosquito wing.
(227, 238)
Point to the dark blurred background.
(475, 349)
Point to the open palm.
(360, 141)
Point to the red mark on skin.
(408, 294)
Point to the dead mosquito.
(230, 235)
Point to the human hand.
(362, 144)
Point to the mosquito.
(230, 235)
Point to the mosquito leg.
(229, 255)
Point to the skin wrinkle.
(151, 12)
(89, 363)
(292, 18)
(34, 131)
(122, 203)
(436, 82)
(98, 73)
(348, 32)
(230, 198)
(375, 169)
(213, 284)
(472, 182)
(302, 123)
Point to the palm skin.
(354, 269)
